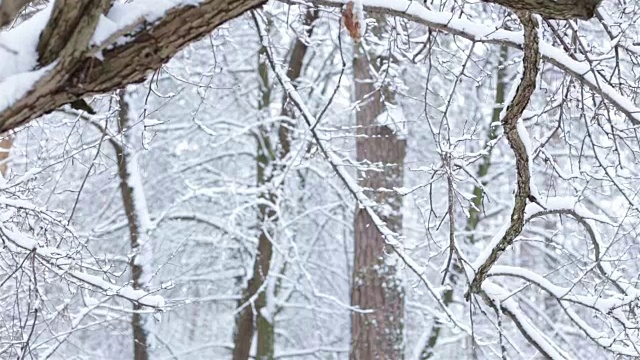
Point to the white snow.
(127, 292)
(63, 269)
(23, 41)
(126, 15)
(526, 140)
(390, 238)
(144, 255)
(394, 119)
(18, 46)
(600, 302)
(15, 87)
(503, 298)
(459, 25)
(152, 122)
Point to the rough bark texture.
(254, 297)
(154, 44)
(293, 73)
(269, 163)
(79, 73)
(140, 336)
(376, 335)
(69, 30)
(593, 83)
(531, 64)
(554, 9)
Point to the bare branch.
(63, 264)
(449, 23)
(390, 238)
(514, 111)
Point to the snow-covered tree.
(180, 179)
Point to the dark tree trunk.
(140, 333)
(377, 335)
(269, 162)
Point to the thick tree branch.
(554, 9)
(80, 73)
(514, 111)
(153, 44)
(69, 30)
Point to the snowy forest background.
(141, 223)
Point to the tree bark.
(137, 216)
(514, 111)
(78, 72)
(375, 285)
(554, 9)
(5, 150)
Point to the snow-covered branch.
(47, 64)
(480, 33)
(390, 238)
(63, 264)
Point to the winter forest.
(319, 179)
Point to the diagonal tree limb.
(78, 74)
(391, 238)
(64, 265)
(69, 30)
(148, 49)
(531, 66)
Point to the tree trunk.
(376, 335)
(269, 163)
(136, 210)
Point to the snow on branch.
(390, 238)
(606, 306)
(476, 32)
(557, 9)
(62, 264)
(500, 298)
(108, 52)
(69, 51)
